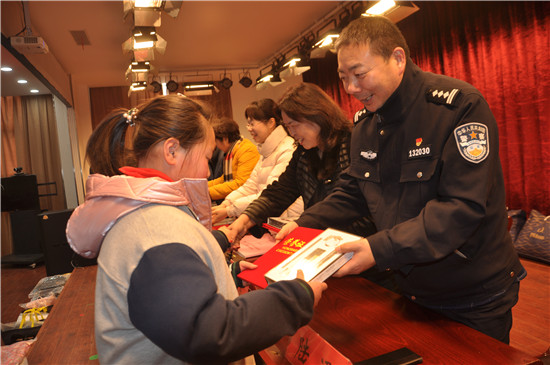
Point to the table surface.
(363, 320)
(67, 335)
(356, 316)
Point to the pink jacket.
(110, 198)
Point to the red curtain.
(502, 49)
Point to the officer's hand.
(317, 287)
(287, 228)
(362, 257)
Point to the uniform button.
(512, 274)
(419, 174)
(382, 132)
(367, 174)
(413, 297)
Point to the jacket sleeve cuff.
(222, 239)
(382, 251)
(236, 270)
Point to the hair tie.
(130, 116)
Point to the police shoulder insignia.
(472, 140)
(359, 115)
(443, 96)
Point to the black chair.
(58, 255)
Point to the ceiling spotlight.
(144, 37)
(295, 65)
(226, 82)
(199, 88)
(148, 12)
(272, 78)
(143, 66)
(172, 86)
(157, 87)
(392, 10)
(136, 86)
(325, 43)
(142, 43)
(245, 80)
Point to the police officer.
(425, 164)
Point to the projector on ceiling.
(29, 44)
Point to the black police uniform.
(427, 166)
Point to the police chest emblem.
(420, 150)
(369, 155)
(472, 141)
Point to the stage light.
(172, 86)
(139, 85)
(295, 65)
(157, 87)
(272, 78)
(144, 37)
(143, 66)
(147, 13)
(226, 82)
(324, 44)
(198, 88)
(380, 7)
(142, 44)
(245, 79)
(395, 11)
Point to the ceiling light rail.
(320, 38)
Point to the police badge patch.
(472, 141)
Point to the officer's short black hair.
(378, 32)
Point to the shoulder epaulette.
(443, 96)
(359, 116)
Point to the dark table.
(362, 320)
(357, 317)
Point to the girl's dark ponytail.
(106, 150)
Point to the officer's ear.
(400, 58)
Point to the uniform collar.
(400, 102)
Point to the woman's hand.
(219, 213)
(287, 228)
(239, 227)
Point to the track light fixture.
(393, 10)
(157, 87)
(143, 66)
(325, 40)
(199, 88)
(296, 64)
(272, 77)
(143, 42)
(226, 82)
(144, 37)
(138, 85)
(245, 79)
(172, 86)
(148, 12)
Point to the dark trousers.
(494, 318)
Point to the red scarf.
(143, 172)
